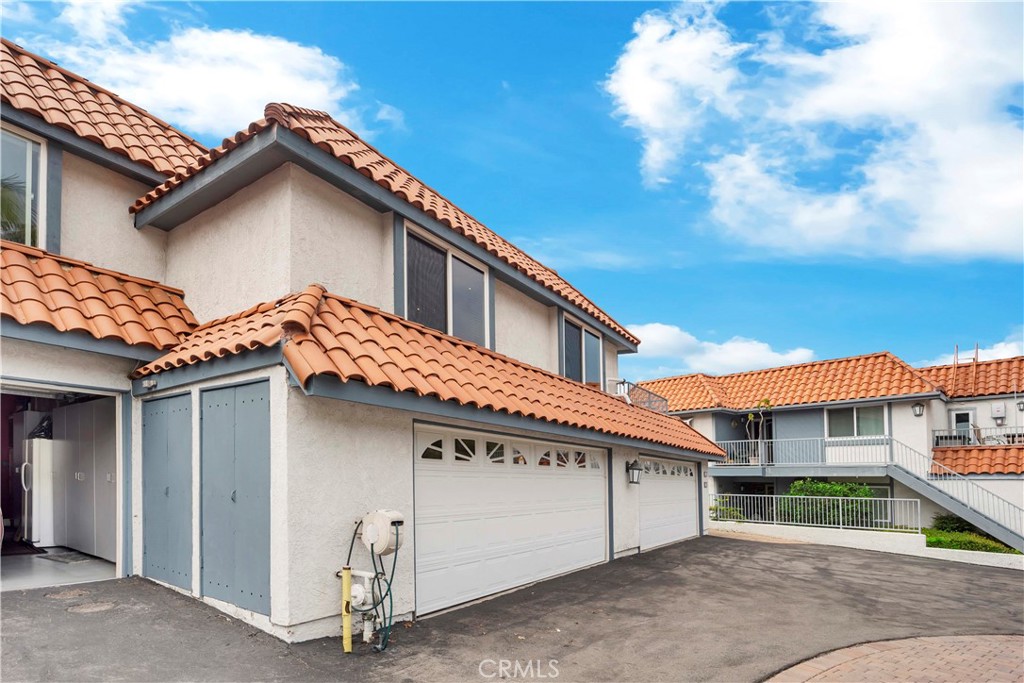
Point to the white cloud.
(1012, 345)
(677, 348)
(677, 68)
(391, 115)
(938, 171)
(18, 12)
(578, 252)
(96, 21)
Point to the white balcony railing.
(863, 450)
(978, 436)
(878, 514)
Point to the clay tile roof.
(323, 334)
(984, 378)
(41, 88)
(875, 375)
(981, 459)
(69, 295)
(322, 130)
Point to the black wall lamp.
(633, 470)
(918, 409)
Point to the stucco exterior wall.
(237, 253)
(704, 423)
(626, 503)
(95, 225)
(982, 408)
(611, 366)
(928, 508)
(1008, 487)
(339, 242)
(524, 328)
(910, 430)
(66, 367)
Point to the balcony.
(978, 436)
(858, 450)
(639, 396)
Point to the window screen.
(840, 422)
(426, 284)
(573, 336)
(592, 358)
(19, 178)
(468, 320)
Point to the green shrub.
(834, 489)
(963, 540)
(951, 522)
(722, 513)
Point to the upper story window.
(856, 421)
(22, 188)
(581, 353)
(445, 291)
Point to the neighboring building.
(951, 436)
(368, 345)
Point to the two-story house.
(950, 436)
(334, 337)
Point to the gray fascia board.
(208, 369)
(799, 471)
(41, 333)
(275, 146)
(822, 404)
(247, 163)
(385, 397)
(82, 147)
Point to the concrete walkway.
(711, 609)
(950, 658)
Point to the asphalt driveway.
(709, 609)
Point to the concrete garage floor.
(709, 609)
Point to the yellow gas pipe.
(346, 608)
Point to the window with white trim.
(445, 290)
(581, 353)
(856, 421)
(23, 188)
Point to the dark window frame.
(567, 366)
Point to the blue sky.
(744, 185)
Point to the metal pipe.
(346, 608)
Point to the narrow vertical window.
(468, 319)
(427, 284)
(573, 338)
(591, 358)
(19, 189)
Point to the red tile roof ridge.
(281, 114)
(37, 253)
(71, 75)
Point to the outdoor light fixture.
(918, 409)
(633, 470)
(1020, 405)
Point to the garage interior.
(58, 487)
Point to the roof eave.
(275, 146)
(819, 404)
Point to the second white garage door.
(493, 513)
(668, 502)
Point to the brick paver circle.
(942, 658)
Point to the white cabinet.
(86, 433)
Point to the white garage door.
(494, 513)
(668, 502)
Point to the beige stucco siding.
(66, 367)
(235, 254)
(95, 225)
(524, 328)
(611, 365)
(1008, 487)
(339, 242)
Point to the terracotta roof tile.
(69, 295)
(984, 378)
(981, 459)
(872, 376)
(323, 334)
(59, 97)
(323, 131)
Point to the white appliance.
(44, 473)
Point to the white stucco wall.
(928, 508)
(626, 503)
(982, 408)
(704, 424)
(65, 367)
(611, 365)
(339, 242)
(523, 328)
(237, 253)
(95, 223)
(910, 430)
(1008, 487)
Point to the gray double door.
(167, 490)
(236, 495)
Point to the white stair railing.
(959, 487)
